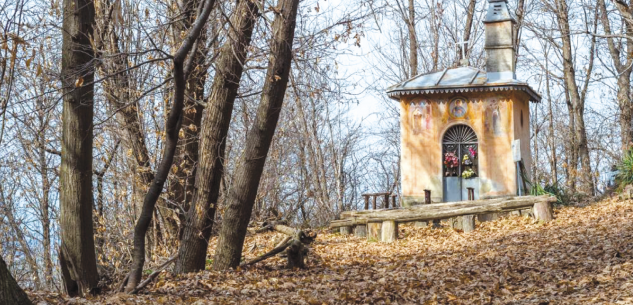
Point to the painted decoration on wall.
(497, 118)
(421, 117)
(458, 108)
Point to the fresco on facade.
(421, 117)
(497, 118)
(458, 108)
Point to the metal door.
(460, 154)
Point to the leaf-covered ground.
(585, 256)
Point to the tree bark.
(181, 70)
(241, 197)
(76, 201)
(10, 292)
(217, 117)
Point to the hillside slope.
(585, 256)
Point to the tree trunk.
(10, 292)
(181, 70)
(181, 187)
(552, 142)
(575, 98)
(45, 202)
(241, 197)
(75, 181)
(623, 70)
(413, 40)
(217, 117)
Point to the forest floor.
(584, 256)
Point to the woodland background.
(338, 133)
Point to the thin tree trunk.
(119, 94)
(624, 72)
(217, 117)
(575, 98)
(552, 143)
(181, 70)
(45, 203)
(520, 12)
(76, 201)
(10, 291)
(436, 35)
(413, 40)
(181, 188)
(241, 197)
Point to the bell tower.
(500, 44)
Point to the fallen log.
(294, 245)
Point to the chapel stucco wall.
(492, 116)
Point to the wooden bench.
(383, 224)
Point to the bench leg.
(389, 231)
(468, 223)
(373, 231)
(346, 230)
(360, 230)
(543, 211)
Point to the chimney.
(500, 64)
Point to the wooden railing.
(385, 200)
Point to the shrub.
(625, 170)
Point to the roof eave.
(534, 97)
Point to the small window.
(521, 118)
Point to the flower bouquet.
(473, 152)
(469, 173)
(467, 161)
(451, 161)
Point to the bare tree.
(241, 197)
(623, 67)
(215, 125)
(181, 70)
(77, 255)
(576, 95)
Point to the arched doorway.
(460, 155)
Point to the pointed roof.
(458, 80)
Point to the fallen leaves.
(585, 256)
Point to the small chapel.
(465, 132)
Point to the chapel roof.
(458, 80)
